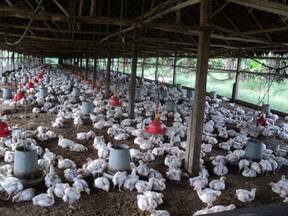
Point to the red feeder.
(114, 101)
(155, 127)
(29, 85)
(96, 87)
(4, 129)
(88, 82)
(261, 121)
(18, 96)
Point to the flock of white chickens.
(226, 127)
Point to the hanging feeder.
(18, 96)
(29, 85)
(88, 82)
(261, 120)
(4, 129)
(114, 101)
(155, 127)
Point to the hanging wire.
(269, 67)
(27, 28)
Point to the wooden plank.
(108, 77)
(132, 83)
(195, 130)
(264, 5)
(236, 83)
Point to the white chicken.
(71, 196)
(44, 199)
(24, 195)
(245, 195)
(102, 183)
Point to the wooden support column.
(156, 70)
(132, 83)
(236, 83)
(13, 60)
(174, 70)
(117, 65)
(143, 63)
(87, 68)
(81, 60)
(124, 66)
(94, 72)
(195, 130)
(108, 77)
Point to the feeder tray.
(18, 96)
(36, 180)
(4, 129)
(155, 127)
(114, 101)
(29, 85)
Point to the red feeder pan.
(4, 129)
(155, 127)
(114, 101)
(29, 85)
(18, 96)
(88, 82)
(261, 121)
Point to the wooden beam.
(155, 13)
(93, 7)
(195, 130)
(264, 5)
(28, 14)
(262, 31)
(108, 77)
(9, 2)
(11, 26)
(132, 84)
(236, 83)
(61, 8)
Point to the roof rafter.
(264, 5)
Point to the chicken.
(245, 195)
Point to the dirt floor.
(179, 197)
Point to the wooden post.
(195, 130)
(81, 60)
(124, 66)
(156, 70)
(174, 70)
(132, 83)
(143, 63)
(236, 83)
(13, 60)
(87, 68)
(94, 71)
(108, 77)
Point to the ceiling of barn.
(160, 27)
